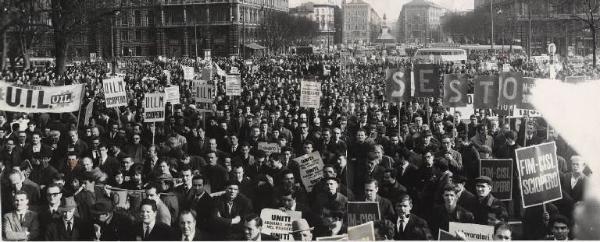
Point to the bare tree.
(586, 12)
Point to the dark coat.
(82, 230)
(575, 192)
(440, 218)
(416, 229)
(120, 228)
(160, 232)
(222, 217)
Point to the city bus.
(515, 49)
(440, 55)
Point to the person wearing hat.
(88, 195)
(466, 199)
(108, 225)
(485, 200)
(301, 231)
(69, 227)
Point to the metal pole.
(530, 35)
(492, 16)
(196, 37)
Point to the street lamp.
(115, 13)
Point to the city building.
(328, 15)
(361, 23)
(419, 22)
(385, 37)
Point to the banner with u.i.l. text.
(40, 99)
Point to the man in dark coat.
(111, 226)
(252, 229)
(150, 229)
(69, 227)
(409, 226)
(450, 211)
(485, 200)
(386, 210)
(229, 209)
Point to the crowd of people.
(200, 175)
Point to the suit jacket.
(160, 232)
(466, 200)
(46, 218)
(415, 229)
(12, 159)
(222, 217)
(482, 207)
(13, 229)
(110, 166)
(120, 227)
(440, 218)
(575, 192)
(82, 230)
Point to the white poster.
(310, 94)
(40, 99)
(154, 107)
(188, 72)
(233, 85)
(279, 223)
(172, 94)
(114, 92)
(311, 169)
(472, 231)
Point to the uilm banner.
(539, 177)
(500, 171)
(40, 99)
(114, 92)
(203, 93)
(154, 107)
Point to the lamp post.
(115, 13)
(492, 17)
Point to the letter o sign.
(512, 93)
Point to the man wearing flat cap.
(485, 200)
(69, 227)
(108, 225)
(301, 230)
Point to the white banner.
(203, 92)
(233, 85)
(363, 232)
(154, 107)
(279, 223)
(311, 169)
(310, 94)
(172, 94)
(40, 99)
(472, 231)
(114, 92)
(188, 72)
(269, 148)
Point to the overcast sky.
(392, 7)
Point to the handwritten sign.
(310, 94)
(279, 223)
(311, 169)
(233, 85)
(472, 231)
(172, 94)
(269, 148)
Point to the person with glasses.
(49, 211)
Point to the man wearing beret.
(485, 200)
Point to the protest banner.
(269, 148)
(515, 112)
(311, 169)
(203, 92)
(40, 99)
(455, 90)
(172, 94)
(500, 171)
(279, 223)
(472, 231)
(363, 232)
(310, 94)
(362, 212)
(154, 107)
(511, 88)
(397, 85)
(486, 92)
(188, 72)
(576, 79)
(467, 111)
(341, 237)
(539, 177)
(233, 85)
(427, 80)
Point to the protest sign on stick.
(310, 94)
(279, 223)
(500, 171)
(311, 169)
(362, 212)
(539, 177)
(154, 107)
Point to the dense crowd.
(200, 175)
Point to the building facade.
(362, 24)
(327, 16)
(419, 22)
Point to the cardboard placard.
(539, 177)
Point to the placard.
(233, 85)
(269, 148)
(427, 80)
(279, 223)
(472, 231)
(172, 94)
(500, 171)
(363, 232)
(362, 212)
(397, 85)
(202, 92)
(311, 169)
(40, 99)
(486, 92)
(154, 107)
(310, 94)
(539, 177)
(188, 72)
(455, 90)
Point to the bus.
(435, 55)
(514, 49)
